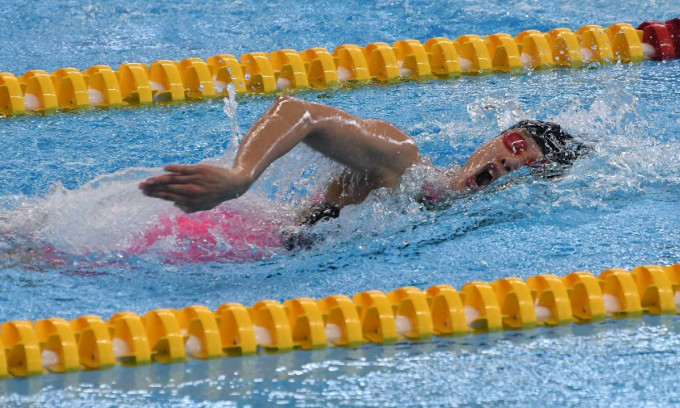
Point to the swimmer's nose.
(509, 164)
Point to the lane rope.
(166, 336)
(165, 81)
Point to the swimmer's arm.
(339, 193)
(375, 148)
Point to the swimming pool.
(616, 208)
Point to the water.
(230, 108)
(68, 182)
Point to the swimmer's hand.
(197, 187)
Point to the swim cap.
(557, 145)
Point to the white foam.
(587, 54)
(344, 74)
(156, 86)
(193, 346)
(465, 64)
(283, 83)
(32, 102)
(220, 86)
(49, 358)
(120, 347)
(404, 72)
(106, 214)
(648, 50)
(471, 314)
(96, 97)
(231, 110)
(159, 92)
(262, 336)
(542, 313)
(527, 60)
(404, 324)
(611, 303)
(333, 332)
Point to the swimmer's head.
(543, 146)
(555, 143)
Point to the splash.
(102, 215)
(109, 217)
(631, 159)
(230, 108)
(504, 110)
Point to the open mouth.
(483, 178)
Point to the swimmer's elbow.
(290, 107)
(289, 101)
(283, 98)
(409, 154)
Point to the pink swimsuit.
(213, 235)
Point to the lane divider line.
(165, 81)
(167, 336)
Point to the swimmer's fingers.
(171, 178)
(197, 187)
(178, 174)
(186, 190)
(187, 202)
(186, 169)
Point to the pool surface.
(70, 210)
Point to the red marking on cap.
(515, 143)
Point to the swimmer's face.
(506, 153)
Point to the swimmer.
(375, 154)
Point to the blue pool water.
(68, 182)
